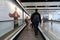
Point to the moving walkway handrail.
(6, 20)
(15, 33)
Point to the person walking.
(35, 19)
(26, 20)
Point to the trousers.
(36, 28)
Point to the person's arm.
(18, 15)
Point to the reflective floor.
(52, 30)
(54, 27)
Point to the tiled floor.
(29, 35)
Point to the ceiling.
(41, 6)
(38, 0)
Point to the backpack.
(36, 18)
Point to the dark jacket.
(32, 17)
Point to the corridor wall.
(26, 15)
(6, 22)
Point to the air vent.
(49, 6)
(42, 6)
(40, 0)
(29, 6)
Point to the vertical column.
(22, 16)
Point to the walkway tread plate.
(28, 34)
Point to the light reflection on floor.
(54, 27)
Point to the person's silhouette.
(35, 19)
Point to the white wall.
(7, 7)
(26, 15)
(4, 10)
(5, 26)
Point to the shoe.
(36, 36)
(36, 33)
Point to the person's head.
(27, 17)
(36, 10)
